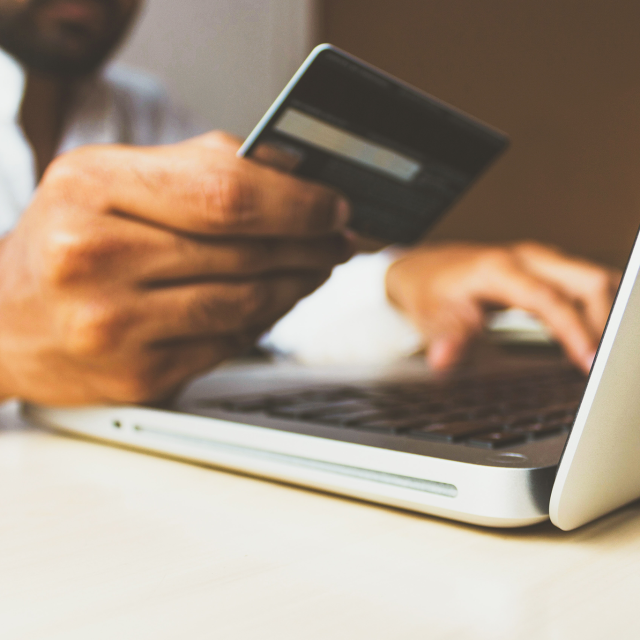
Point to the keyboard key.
(567, 421)
(300, 410)
(249, 404)
(491, 412)
(541, 430)
(514, 406)
(429, 407)
(447, 416)
(559, 412)
(484, 412)
(344, 409)
(347, 418)
(389, 425)
(522, 418)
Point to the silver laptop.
(497, 445)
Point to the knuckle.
(137, 386)
(71, 256)
(229, 199)
(64, 169)
(67, 258)
(223, 139)
(95, 329)
(495, 259)
(74, 174)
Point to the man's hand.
(135, 269)
(445, 291)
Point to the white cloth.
(17, 167)
(348, 320)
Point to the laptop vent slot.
(406, 482)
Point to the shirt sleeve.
(349, 320)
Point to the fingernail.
(343, 213)
(438, 355)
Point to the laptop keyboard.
(490, 412)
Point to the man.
(132, 268)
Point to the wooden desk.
(98, 542)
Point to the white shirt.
(348, 320)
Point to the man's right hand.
(135, 269)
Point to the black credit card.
(400, 156)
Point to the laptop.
(498, 444)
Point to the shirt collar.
(91, 118)
(12, 81)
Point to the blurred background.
(562, 77)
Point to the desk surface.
(99, 542)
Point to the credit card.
(400, 156)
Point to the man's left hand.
(445, 291)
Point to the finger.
(207, 309)
(513, 287)
(179, 259)
(446, 351)
(201, 190)
(593, 286)
(123, 249)
(449, 330)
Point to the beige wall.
(225, 59)
(562, 77)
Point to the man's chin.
(71, 57)
(64, 37)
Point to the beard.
(64, 37)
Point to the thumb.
(216, 140)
